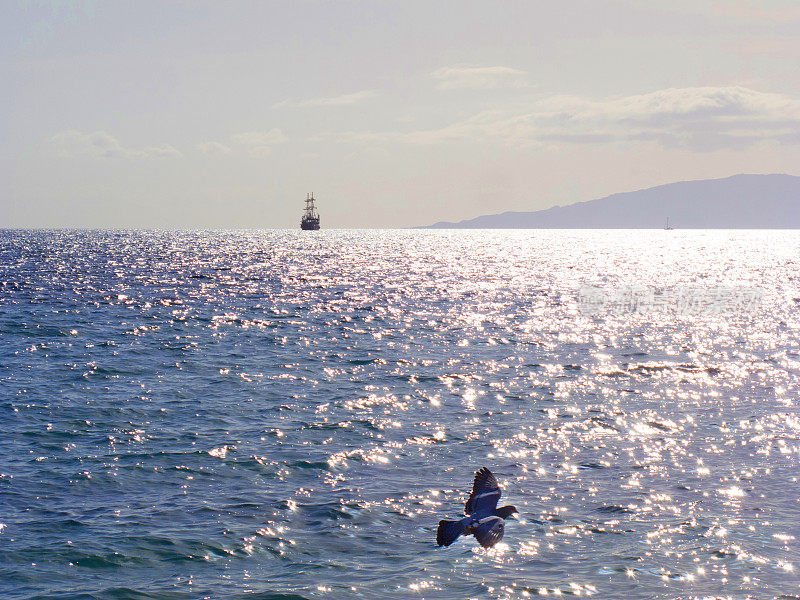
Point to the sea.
(287, 415)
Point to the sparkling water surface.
(286, 414)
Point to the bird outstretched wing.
(485, 493)
(489, 531)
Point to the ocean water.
(288, 415)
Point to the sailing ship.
(310, 220)
(667, 227)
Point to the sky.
(194, 114)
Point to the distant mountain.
(738, 202)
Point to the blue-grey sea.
(287, 415)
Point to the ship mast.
(310, 205)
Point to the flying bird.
(484, 520)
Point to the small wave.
(612, 509)
(125, 593)
(269, 595)
(307, 464)
(591, 465)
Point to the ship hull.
(309, 224)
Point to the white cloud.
(260, 143)
(702, 118)
(782, 47)
(260, 138)
(100, 144)
(163, 150)
(754, 11)
(342, 100)
(258, 151)
(213, 148)
(680, 104)
(479, 78)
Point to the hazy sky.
(225, 114)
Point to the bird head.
(506, 511)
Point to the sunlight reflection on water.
(279, 412)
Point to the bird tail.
(448, 532)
